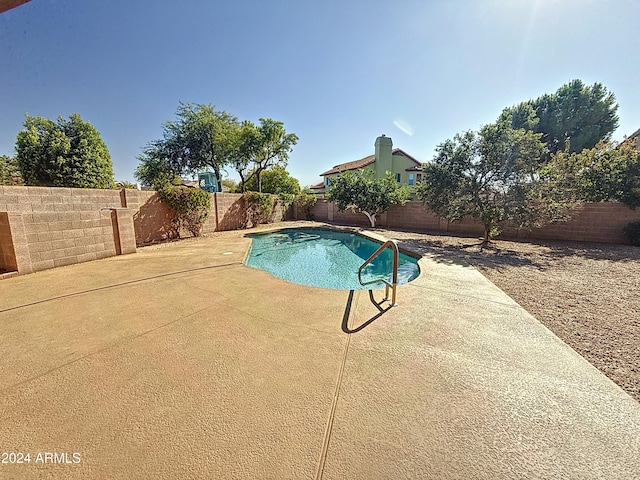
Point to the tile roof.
(343, 167)
(633, 138)
(363, 162)
(317, 186)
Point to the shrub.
(284, 199)
(191, 205)
(306, 202)
(632, 231)
(259, 207)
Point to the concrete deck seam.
(332, 413)
(452, 293)
(104, 349)
(106, 287)
(329, 427)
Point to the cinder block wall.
(228, 212)
(50, 227)
(591, 222)
(46, 227)
(7, 254)
(151, 217)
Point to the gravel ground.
(588, 294)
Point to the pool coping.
(374, 236)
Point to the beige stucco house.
(404, 167)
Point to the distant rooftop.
(9, 4)
(363, 162)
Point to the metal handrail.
(394, 279)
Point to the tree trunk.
(216, 169)
(487, 232)
(243, 189)
(372, 218)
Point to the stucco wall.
(400, 163)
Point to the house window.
(327, 181)
(418, 177)
(411, 181)
(398, 177)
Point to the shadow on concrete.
(347, 313)
(500, 254)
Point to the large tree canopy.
(576, 115)
(606, 172)
(203, 138)
(200, 138)
(66, 153)
(260, 147)
(154, 169)
(363, 192)
(493, 176)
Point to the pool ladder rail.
(394, 283)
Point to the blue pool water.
(325, 258)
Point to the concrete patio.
(181, 362)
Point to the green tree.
(9, 171)
(244, 152)
(259, 148)
(306, 201)
(66, 153)
(231, 184)
(275, 180)
(200, 138)
(154, 169)
(364, 193)
(125, 184)
(576, 115)
(493, 176)
(606, 172)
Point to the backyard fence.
(46, 227)
(590, 222)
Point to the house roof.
(363, 162)
(635, 134)
(633, 139)
(343, 167)
(9, 4)
(317, 186)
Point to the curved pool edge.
(373, 236)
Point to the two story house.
(404, 167)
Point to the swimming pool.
(325, 258)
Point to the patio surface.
(181, 362)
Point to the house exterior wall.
(400, 163)
(385, 161)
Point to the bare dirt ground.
(588, 294)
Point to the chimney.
(383, 155)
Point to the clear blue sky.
(338, 73)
